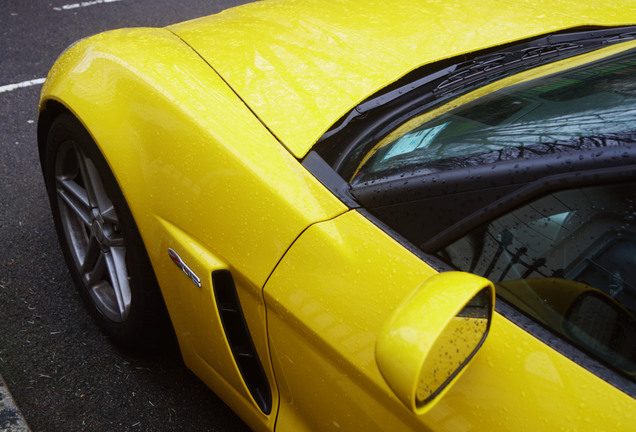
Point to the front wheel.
(99, 238)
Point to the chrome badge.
(184, 268)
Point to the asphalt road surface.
(64, 375)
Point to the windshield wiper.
(488, 66)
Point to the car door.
(528, 181)
(324, 324)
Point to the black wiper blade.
(597, 36)
(504, 60)
(532, 53)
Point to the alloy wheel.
(92, 232)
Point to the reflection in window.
(592, 105)
(568, 260)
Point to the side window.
(567, 260)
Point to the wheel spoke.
(118, 271)
(75, 199)
(95, 190)
(91, 258)
(98, 272)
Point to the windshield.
(587, 106)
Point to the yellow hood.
(302, 64)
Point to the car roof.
(301, 65)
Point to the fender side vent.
(238, 336)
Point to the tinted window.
(545, 115)
(568, 260)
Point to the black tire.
(100, 241)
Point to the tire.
(100, 241)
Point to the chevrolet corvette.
(363, 215)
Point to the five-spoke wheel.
(91, 228)
(99, 238)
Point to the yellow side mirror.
(433, 335)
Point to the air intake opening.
(238, 336)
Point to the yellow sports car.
(322, 198)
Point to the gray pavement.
(64, 375)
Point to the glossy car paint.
(300, 65)
(206, 178)
(165, 123)
(323, 330)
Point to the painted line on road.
(11, 87)
(82, 4)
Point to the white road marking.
(11, 87)
(82, 4)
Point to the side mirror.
(433, 335)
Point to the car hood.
(301, 65)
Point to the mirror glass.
(455, 346)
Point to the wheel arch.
(166, 123)
(195, 167)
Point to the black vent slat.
(239, 339)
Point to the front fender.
(200, 174)
(170, 127)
